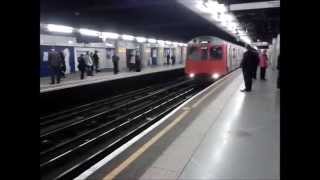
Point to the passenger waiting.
(54, 62)
(95, 58)
(63, 65)
(247, 65)
(168, 59)
(137, 63)
(81, 66)
(173, 59)
(263, 64)
(89, 64)
(115, 61)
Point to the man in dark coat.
(138, 63)
(247, 65)
(54, 62)
(168, 59)
(95, 58)
(81, 66)
(173, 59)
(63, 65)
(115, 61)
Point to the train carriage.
(212, 57)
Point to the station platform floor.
(220, 134)
(73, 80)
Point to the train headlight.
(215, 76)
(191, 75)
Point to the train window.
(193, 53)
(216, 53)
(204, 54)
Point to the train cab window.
(193, 53)
(216, 53)
(204, 53)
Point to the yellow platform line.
(143, 148)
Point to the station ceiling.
(262, 24)
(164, 19)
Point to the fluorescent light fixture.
(89, 32)
(109, 35)
(175, 43)
(160, 41)
(59, 28)
(141, 39)
(127, 37)
(152, 40)
(168, 42)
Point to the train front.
(205, 59)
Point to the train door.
(166, 52)
(234, 57)
(154, 56)
(130, 55)
(229, 57)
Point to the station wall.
(151, 54)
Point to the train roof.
(211, 39)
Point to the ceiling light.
(152, 40)
(127, 37)
(160, 42)
(141, 39)
(59, 28)
(109, 35)
(168, 42)
(89, 32)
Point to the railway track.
(69, 144)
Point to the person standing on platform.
(173, 59)
(115, 61)
(89, 64)
(54, 62)
(256, 65)
(138, 63)
(96, 61)
(81, 65)
(247, 65)
(63, 65)
(92, 67)
(168, 59)
(263, 64)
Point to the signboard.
(45, 56)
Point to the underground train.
(210, 57)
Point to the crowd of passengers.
(88, 63)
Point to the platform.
(73, 80)
(221, 133)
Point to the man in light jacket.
(89, 64)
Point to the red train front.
(209, 57)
